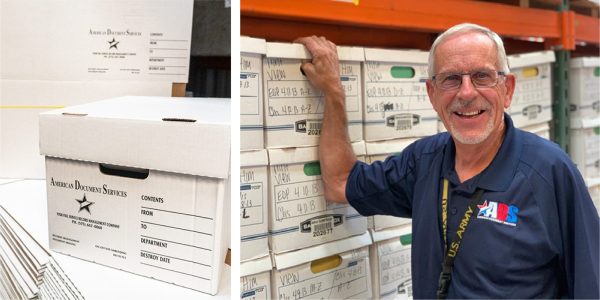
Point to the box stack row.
(584, 99)
(283, 212)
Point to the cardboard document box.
(585, 146)
(251, 93)
(379, 151)
(254, 211)
(140, 184)
(396, 104)
(584, 87)
(255, 279)
(23, 100)
(96, 40)
(299, 215)
(336, 270)
(532, 100)
(294, 108)
(391, 263)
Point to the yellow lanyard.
(445, 212)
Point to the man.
(506, 212)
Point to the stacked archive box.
(584, 97)
(397, 111)
(281, 171)
(94, 50)
(531, 107)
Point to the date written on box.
(299, 214)
(336, 270)
(294, 108)
(133, 184)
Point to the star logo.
(113, 44)
(84, 204)
(485, 204)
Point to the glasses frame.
(437, 85)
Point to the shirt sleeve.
(580, 230)
(383, 188)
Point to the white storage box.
(391, 263)
(532, 100)
(336, 270)
(584, 87)
(254, 218)
(585, 146)
(293, 107)
(23, 100)
(140, 184)
(251, 93)
(396, 104)
(380, 151)
(96, 40)
(255, 279)
(542, 129)
(299, 214)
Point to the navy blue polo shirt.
(535, 236)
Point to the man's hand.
(324, 69)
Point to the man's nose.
(467, 90)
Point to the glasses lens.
(485, 78)
(449, 81)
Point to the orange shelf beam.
(587, 29)
(423, 16)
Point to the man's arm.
(335, 152)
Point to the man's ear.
(509, 83)
(430, 90)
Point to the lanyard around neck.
(450, 254)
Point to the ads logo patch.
(84, 204)
(498, 212)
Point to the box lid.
(592, 182)
(253, 45)
(298, 51)
(359, 148)
(537, 128)
(254, 158)
(390, 233)
(181, 135)
(255, 266)
(585, 62)
(304, 154)
(388, 146)
(578, 123)
(400, 56)
(294, 258)
(530, 59)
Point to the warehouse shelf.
(410, 23)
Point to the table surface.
(26, 202)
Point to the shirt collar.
(499, 174)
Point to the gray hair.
(468, 27)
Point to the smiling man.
(497, 212)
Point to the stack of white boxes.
(397, 112)
(77, 52)
(531, 107)
(391, 260)
(254, 184)
(584, 97)
(281, 171)
(305, 229)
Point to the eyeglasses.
(479, 78)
